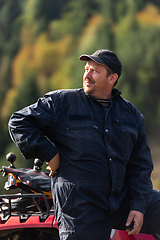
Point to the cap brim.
(95, 59)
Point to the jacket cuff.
(43, 156)
(138, 206)
(49, 154)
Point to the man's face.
(95, 81)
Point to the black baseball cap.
(105, 57)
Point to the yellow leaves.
(28, 34)
(89, 35)
(22, 64)
(45, 61)
(4, 65)
(42, 58)
(96, 19)
(48, 59)
(61, 79)
(48, 55)
(149, 16)
(45, 53)
(8, 103)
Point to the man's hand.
(54, 164)
(137, 218)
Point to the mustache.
(88, 79)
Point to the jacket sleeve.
(138, 173)
(31, 127)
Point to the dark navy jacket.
(104, 153)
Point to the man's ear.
(113, 78)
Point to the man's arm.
(138, 181)
(138, 174)
(33, 127)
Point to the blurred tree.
(74, 18)
(33, 70)
(9, 44)
(8, 41)
(140, 79)
(41, 12)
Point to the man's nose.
(88, 74)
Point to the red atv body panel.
(122, 235)
(32, 222)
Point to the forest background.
(40, 45)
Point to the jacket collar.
(115, 93)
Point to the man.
(97, 141)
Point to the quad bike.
(29, 214)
